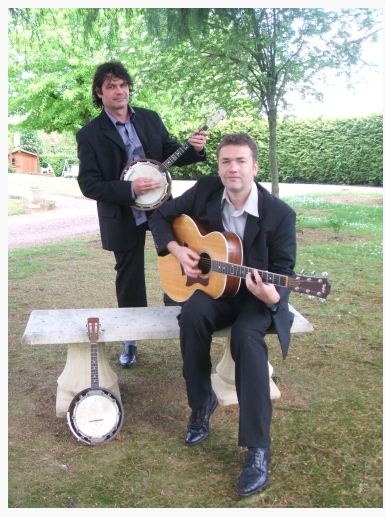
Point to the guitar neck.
(241, 271)
(178, 153)
(94, 366)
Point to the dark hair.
(239, 139)
(102, 72)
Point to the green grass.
(15, 206)
(24, 262)
(327, 427)
(315, 213)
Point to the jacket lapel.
(110, 131)
(140, 131)
(214, 213)
(252, 229)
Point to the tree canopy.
(186, 63)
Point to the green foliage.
(30, 141)
(186, 63)
(345, 151)
(266, 52)
(56, 161)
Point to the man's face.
(237, 168)
(114, 93)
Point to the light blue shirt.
(134, 152)
(234, 220)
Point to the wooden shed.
(24, 161)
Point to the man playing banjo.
(118, 136)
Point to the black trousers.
(130, 282)
(250, 320)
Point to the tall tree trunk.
(272, 119)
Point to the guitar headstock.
(214, 119)
(317, 286)
(93, 327)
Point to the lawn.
(327, 427)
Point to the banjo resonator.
(147, 168)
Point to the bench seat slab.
(69, 326)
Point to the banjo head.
(149, 169)
(95, 416)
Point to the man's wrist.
(273, 307)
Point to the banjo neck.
(94, 366)
(93, 335)
(214, 119)
(173, 158)
(178, 153)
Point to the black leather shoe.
(127, 358)
(198, 426)
(255, 471)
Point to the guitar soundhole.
(205, 263)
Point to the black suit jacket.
(269, 241)
(102, 158)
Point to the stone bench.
(69, 327)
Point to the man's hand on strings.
(188, 259)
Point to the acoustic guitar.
(221, 256)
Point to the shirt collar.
(130, 118)
(251, 205)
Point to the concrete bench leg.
(76, 375)
(223, 380)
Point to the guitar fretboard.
(94, 366)
(227, 268)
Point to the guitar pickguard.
(199, 280)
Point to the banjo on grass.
(95, 415)
(147, 168)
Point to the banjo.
(95, 415)
(159, 171)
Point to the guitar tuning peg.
(325, 274)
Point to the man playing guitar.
(234, 202)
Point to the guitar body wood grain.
(221, 246)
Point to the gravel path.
(69, 218)
(75, 216)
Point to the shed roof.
(18, 149)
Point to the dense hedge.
(340, 151)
